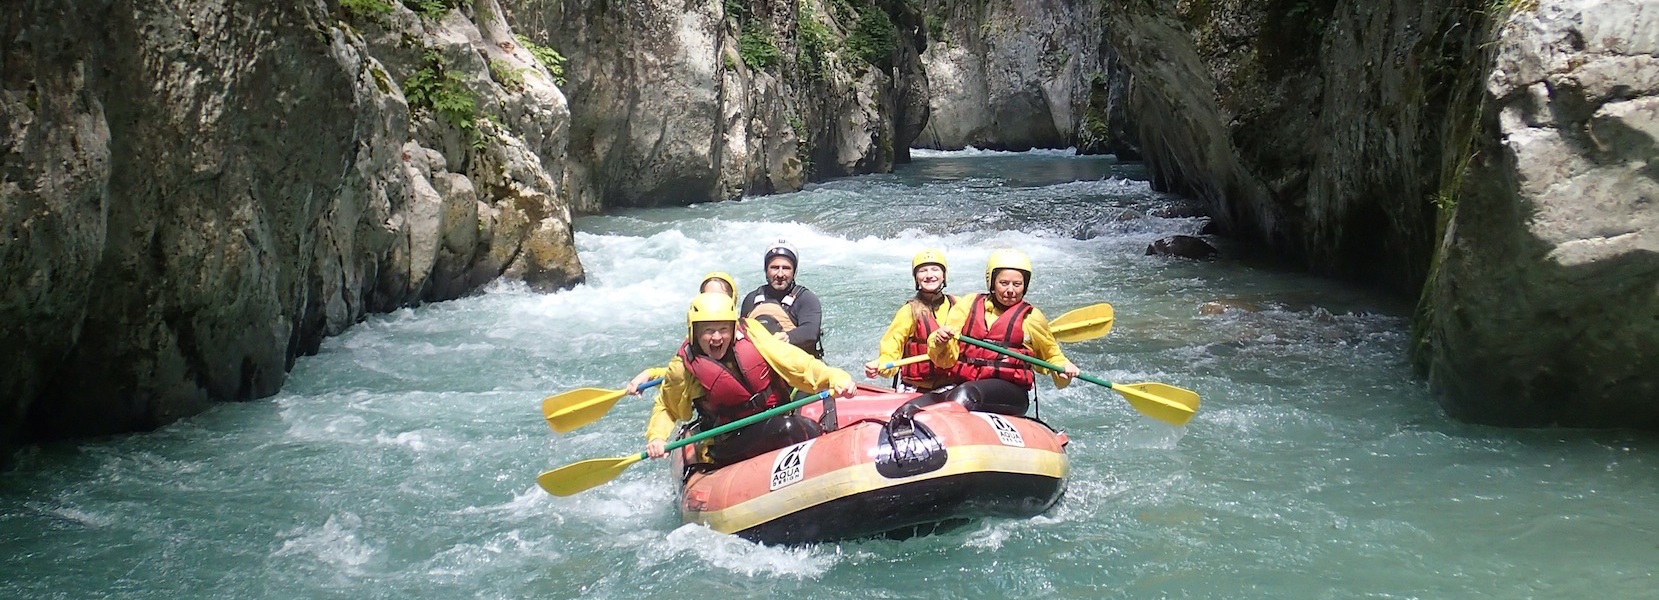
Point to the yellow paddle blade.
(576, 477)
(575, 408)
(1085, 323)
(1161, 401)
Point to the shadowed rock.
(1183, 246)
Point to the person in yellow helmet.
(724, 374)
(994, 382)
(714, 281)
(914, 322)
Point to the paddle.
(902, 362)
(576, 477)
(1085, 323)
(576, 408)
(1160, 401)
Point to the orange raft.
(880, 473)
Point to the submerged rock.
(1183, 246)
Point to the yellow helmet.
(731, 284)
(707, 307)
(1007, 258)
(929, 256)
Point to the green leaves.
(367, 8)
(435, 88)
(549, 58)
(757, 49)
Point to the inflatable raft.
(880, 472)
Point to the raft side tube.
(907, 507)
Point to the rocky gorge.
(1490, 159)
(196, 192)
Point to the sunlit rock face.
(1023, 74)
(676, 103)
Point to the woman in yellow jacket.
(915, 321)
(715, 281)
(724, 374)
(997, 383)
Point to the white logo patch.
(790, 465)
(1006, 432)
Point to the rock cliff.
(1023, 74)
(1543, 307)
(197, 191)
(677, 102)
(1492, 158)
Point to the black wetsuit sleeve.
(748, 302)
(807, 315)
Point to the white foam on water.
(622, 504)
(74, 514)
(325, 427)
(461, 562)
(335, 544)
(530, 503)
(736, 555)
(1151, 434)
(412, 440)
(990, 536)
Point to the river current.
(399, 462)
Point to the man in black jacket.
(788, 309)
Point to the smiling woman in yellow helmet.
(715, 281)
(917, 319)
(1001, 316)
(726, 374)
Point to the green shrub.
(874, 38)
(812, 45)
(435, 9)
(367, 8)
(936, 28)
(506, 74)
(757, 50)
(799, 125)
(737, 9)
(435, 88)
(549, 58)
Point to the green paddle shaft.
(745, 421)
(1030, 359)
(1163, 402)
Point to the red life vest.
(916, 345)
(731, 395)
(976, 363)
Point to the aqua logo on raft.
(1006, 432)
(790, 465)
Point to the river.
(399, 462)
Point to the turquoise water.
(400, 461)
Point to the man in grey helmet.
(788, 309)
